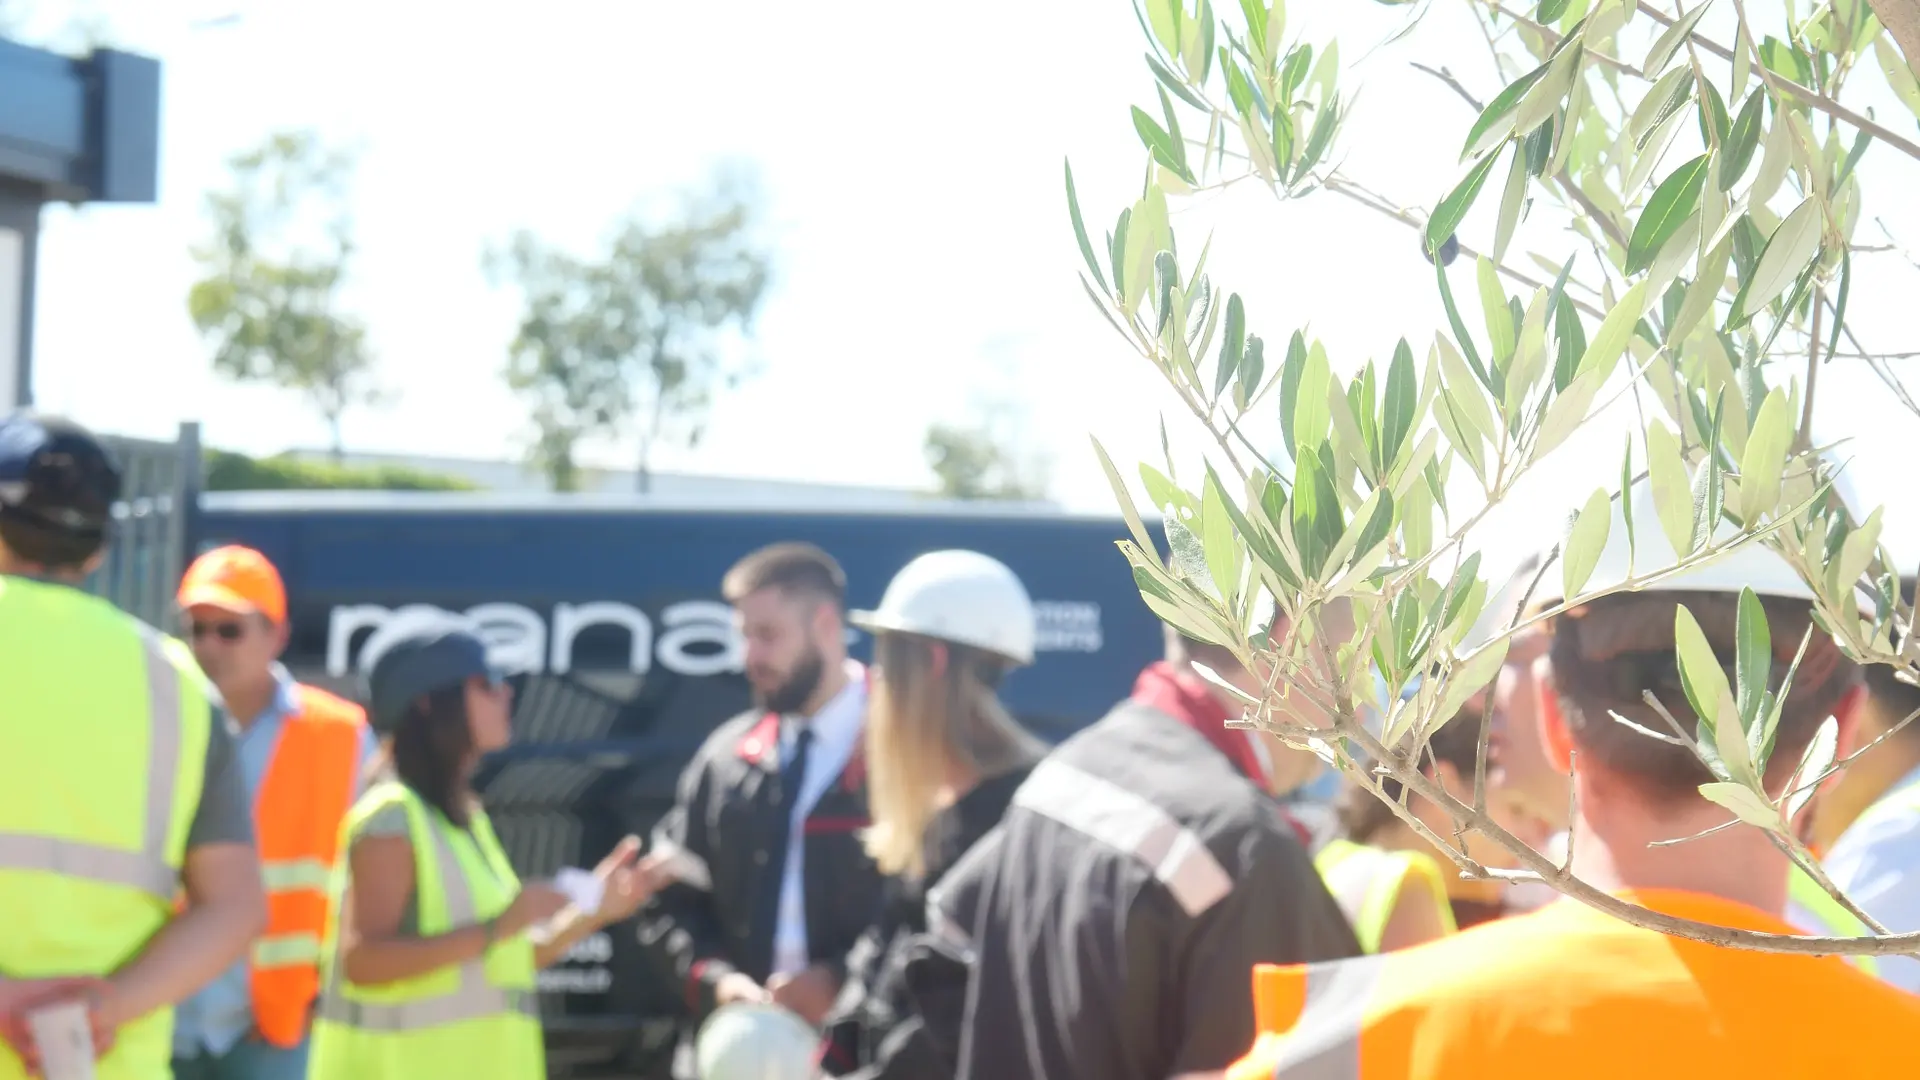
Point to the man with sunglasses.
(302, 753)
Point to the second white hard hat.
(1751, 564)
(745, 1041)
(959, 596)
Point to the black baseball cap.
(55, 475)
(417, 653)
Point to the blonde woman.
(943, 761)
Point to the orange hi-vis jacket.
(1572, 993)
(303, 799)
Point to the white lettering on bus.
(696, 637)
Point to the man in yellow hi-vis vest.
(118, 790)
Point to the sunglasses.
(225, 631)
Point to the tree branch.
(1779, 83)
(1541, 869)
(1805, 437)
(1570, 189)
(1341, 185)
(1782, 84)
(1447, 77)
(1605, 221)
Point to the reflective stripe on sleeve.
(1325, 1044)
(295, 875)
(472, 999)
(148, 869)
(1128, 823)
(944, 928)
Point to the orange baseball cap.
(235, 578)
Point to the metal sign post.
(16, 305)
(73, 130)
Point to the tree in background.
(82, 29)
(268, 300)
(634, 341)
(973, 462)
(1693, 193)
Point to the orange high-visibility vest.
(1573, 993)
(303, 799)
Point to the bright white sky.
(912, 158)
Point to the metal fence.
(153, 523)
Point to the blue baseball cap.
(56, 475)
(418, 652)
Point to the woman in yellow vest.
(1396, 889)
(431, 961)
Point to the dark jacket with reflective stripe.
(875, 1031)
(1113, 921)
(728, 813)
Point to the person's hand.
(538, 901)
(735, 987)
(21, 997)
(628, 881)
(809, 993)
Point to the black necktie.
(793, 775)
(793, 771)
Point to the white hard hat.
(746, 1041)
(959, 596)
(1752, 564)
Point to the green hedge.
(228, 471)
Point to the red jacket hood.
(1186, 697)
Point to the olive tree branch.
(1567, 187)
(1339, 184)
(1782, 839)
(1447, 77)
(1804, 438)
(1539, 868)
(1839, 766)
(1780, 84)
(1149, 348)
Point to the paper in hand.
(686, 867)
(584, 888)
(64, 1038)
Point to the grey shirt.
(391, 821)
(223, 815)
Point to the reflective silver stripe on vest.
(1325, 1044)
(296, 875)
(90, 862)
(466, 1003)
(286, 950)
(472, 999)
(148, 869)
(163, 746)
(1126, 822)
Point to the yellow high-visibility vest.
(479, 1018)
(102, 757)
(1366, 882)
